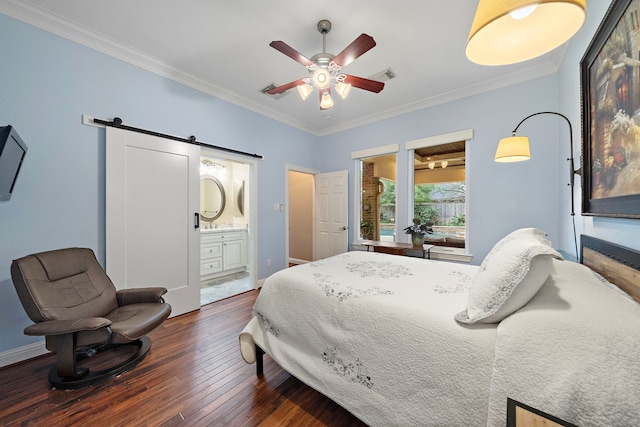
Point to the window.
(376, 183)
(439, 188)
(378, 198)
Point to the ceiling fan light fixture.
(321, 78)
(324, 69)
(343, 89)
(304, 90)
(511, 31)
(325, 101)
(444, 164)
(431, 165)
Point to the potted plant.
(418, 232)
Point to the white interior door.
(152, 192)
(332, 201)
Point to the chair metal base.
(86, 377)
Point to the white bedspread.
(573, 351)
(376, 333)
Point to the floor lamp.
(516, 149)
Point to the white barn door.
(332, 201)
(152, 195)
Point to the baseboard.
(261, 282)
(23, 353)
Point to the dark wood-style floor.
(193, 376)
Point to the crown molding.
(543, 69)
(69, 30)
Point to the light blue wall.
(46, 84)
(622, 231)
(502, 196)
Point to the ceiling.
(222, 48)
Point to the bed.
(405, 341)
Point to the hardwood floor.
(193, 376)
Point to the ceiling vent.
(273, 86)
(383, 75)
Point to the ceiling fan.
(325, 69)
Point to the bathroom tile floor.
(224, 287)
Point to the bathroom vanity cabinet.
(222, 252)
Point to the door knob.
(343, 228)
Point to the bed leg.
(259, 364)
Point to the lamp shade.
(509, 31)
(325, 100)
(513, 149)
(304, 90)
(343, 89)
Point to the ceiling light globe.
(304, 90)
(343, 89)
(326, 102)
(321, 78)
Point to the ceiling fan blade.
(291, 52)
(357, 47)
(280, 89)
(366, 84)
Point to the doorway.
(225, 227)
(317, 209)
(301, 215)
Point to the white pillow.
(510, 275)
(521, 232)
(529, 232)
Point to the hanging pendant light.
(509, 31)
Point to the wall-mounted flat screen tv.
(12, 152)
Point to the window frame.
(357, 157)
(410, 146)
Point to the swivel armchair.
(76, 307)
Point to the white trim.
(445, 138)
(357, 157)
(462, 135)
(444, 253)
(88, 120)
(301, 169)
(20, 354)
(356, 200)
(252, 237)
(375, 151)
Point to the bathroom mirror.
(212, 198)
(238, 189)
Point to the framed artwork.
(610, 82)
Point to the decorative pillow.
(509, 276)
(521, 232)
